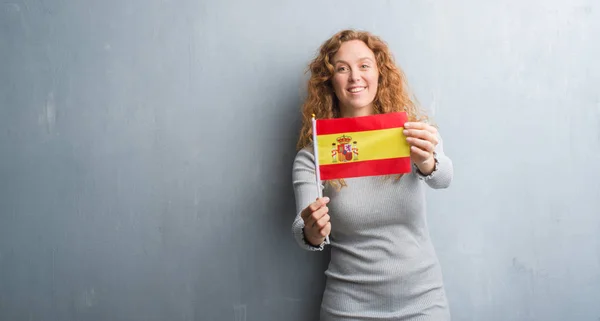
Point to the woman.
(383, 265)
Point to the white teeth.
(355, 90)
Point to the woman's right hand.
(316, 221)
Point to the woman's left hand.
(422, 139)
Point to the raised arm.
(443, 171)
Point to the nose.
(354, 76)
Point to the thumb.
(323, 200)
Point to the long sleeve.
(442, 175)
(305, 191)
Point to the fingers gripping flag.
(361, 146)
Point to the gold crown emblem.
(344, 139)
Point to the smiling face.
(355, 78)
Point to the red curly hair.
(392, 95)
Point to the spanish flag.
(361, 146)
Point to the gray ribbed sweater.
(383, 265)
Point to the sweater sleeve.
(443, 172)
(305, 190)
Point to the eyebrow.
(360, 59)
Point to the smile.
(356, 89)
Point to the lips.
(355, 90)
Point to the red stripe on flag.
(363, 123)
(366, 168)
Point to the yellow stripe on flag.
(363, 146)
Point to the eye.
(365, 66)
(342, 69)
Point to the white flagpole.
(317, 171)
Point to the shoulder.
(305, 157)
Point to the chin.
(360, 107)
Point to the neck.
(349, 112)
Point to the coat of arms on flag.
(344, 149)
